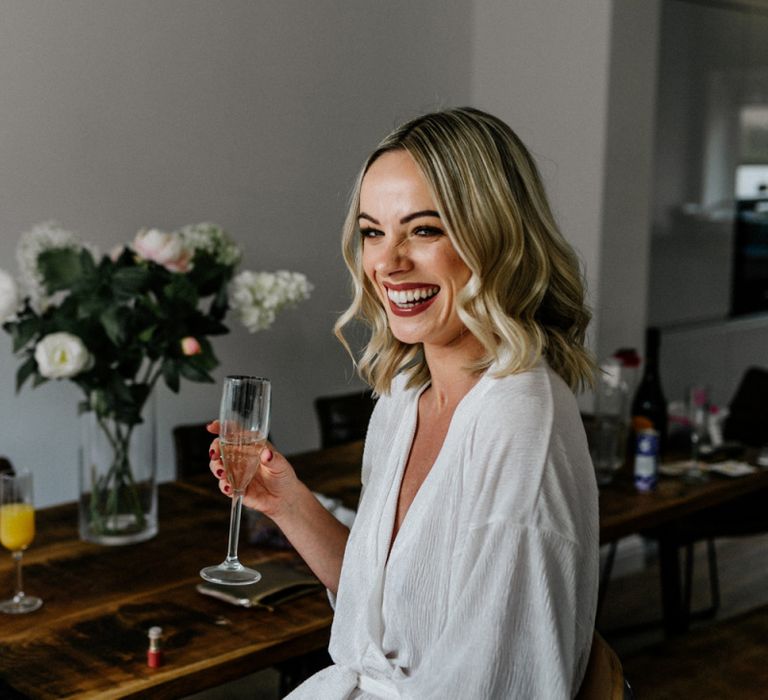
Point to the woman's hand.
(272, 486)
(275, 490)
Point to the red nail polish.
(211, 452)
(219, 473)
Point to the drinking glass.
(17, 530)
(698, 411)
(243, 430)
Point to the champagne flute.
(17, 530)
(243, 430)
(698, 405)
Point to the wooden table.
(669, 514)
(89, 639)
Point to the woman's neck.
(450, 376)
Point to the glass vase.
(118, 486)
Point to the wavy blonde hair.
(525, 296)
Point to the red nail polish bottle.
(155, 653)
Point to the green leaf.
(171, 375)
(24, 331)
(119, 388)
(25, 371)
(112, 321)
(146, 335)
(194, 373)
(62, 268)
(140, 393)
(87, 262)
(220, 304)
(129, 362)
(128, 281)
(181, 291)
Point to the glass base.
(20, 604)
(695, 474)
(123, 530)
(230, 574)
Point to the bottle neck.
(651, 371)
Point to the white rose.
(166, 249)
(61, 355)
(9, 297)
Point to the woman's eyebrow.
(405, 219)
(417, 214)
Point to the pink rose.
(190, 346)
(166, 249)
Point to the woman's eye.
(369, 233)
(427, 231)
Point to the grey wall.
(577, 81)
(254, 114)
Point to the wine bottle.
(649, 407)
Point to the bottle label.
(646, 460)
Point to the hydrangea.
(9, 297)
(31, 244)
(257, 297)
(213, 240)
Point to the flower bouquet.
(115, 325)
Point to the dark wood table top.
(624, 511)
(89, 640)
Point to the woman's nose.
(394, 257)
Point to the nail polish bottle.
(155, 653)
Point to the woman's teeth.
(410, 297)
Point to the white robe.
(490, 588)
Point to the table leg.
(673, 608)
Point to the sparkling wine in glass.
(17, 530)
(243, 430)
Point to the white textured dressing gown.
(491, 584)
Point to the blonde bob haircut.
(525, 296)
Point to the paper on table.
(728, 468)
(280, 582)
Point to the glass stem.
(234, 527)
(19, 587)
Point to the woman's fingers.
(213, 427)
(215, 464)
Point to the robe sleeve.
(512, 629)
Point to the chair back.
(747, 420)
(344, 418)
(604, 677)
(191, 443)
(5, 466)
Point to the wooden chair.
(604, 677)
(191, 443)
(344, 418)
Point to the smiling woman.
(471, 567)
